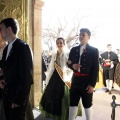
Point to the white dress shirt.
(9, 48)
(81, 51)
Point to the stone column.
(37, 49)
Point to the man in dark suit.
(84, 61)
(109, 61)
(17, 66)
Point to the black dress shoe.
(107, 90)
(110, 93)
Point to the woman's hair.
(61, 38)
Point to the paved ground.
(101, 106)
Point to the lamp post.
(113, 105)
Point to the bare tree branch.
(68, 30)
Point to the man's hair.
(85, 30)
(109, 45)
(11, 22)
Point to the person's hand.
(14, 105)
(2, 84)
(107, 60)
(76, 66)
(90, 89)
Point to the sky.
(100, 16)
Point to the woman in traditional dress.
(99, 83)
(54, 102)
(117, 74)
(117, 69)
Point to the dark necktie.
(108, 55)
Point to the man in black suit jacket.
(84, 61)
(17, 66)
(109, 61)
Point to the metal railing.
(113, 105)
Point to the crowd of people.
(71, 76)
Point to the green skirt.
(64, 107)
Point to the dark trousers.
(108, 73)
(17, 113)
(78, 91)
